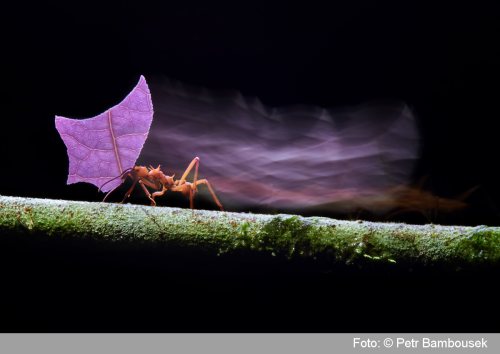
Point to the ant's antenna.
(120, 176)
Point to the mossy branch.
(336, 241)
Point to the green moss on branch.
(281, 235)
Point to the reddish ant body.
(155, 179)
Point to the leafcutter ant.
(155, 179)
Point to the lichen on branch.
(289, 236)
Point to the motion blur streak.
(285, 158)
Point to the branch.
(336, 241)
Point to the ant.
(155, 179)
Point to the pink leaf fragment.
(102, 147)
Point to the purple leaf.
(102, 147)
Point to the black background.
(77, 60)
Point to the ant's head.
(140, 171)
(155, 172)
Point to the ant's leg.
(159, 193)
(153, 203)
(107, 194)
(187, 189)
(194, 163)
(129, 191)
(111, 191)
(204, 181)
